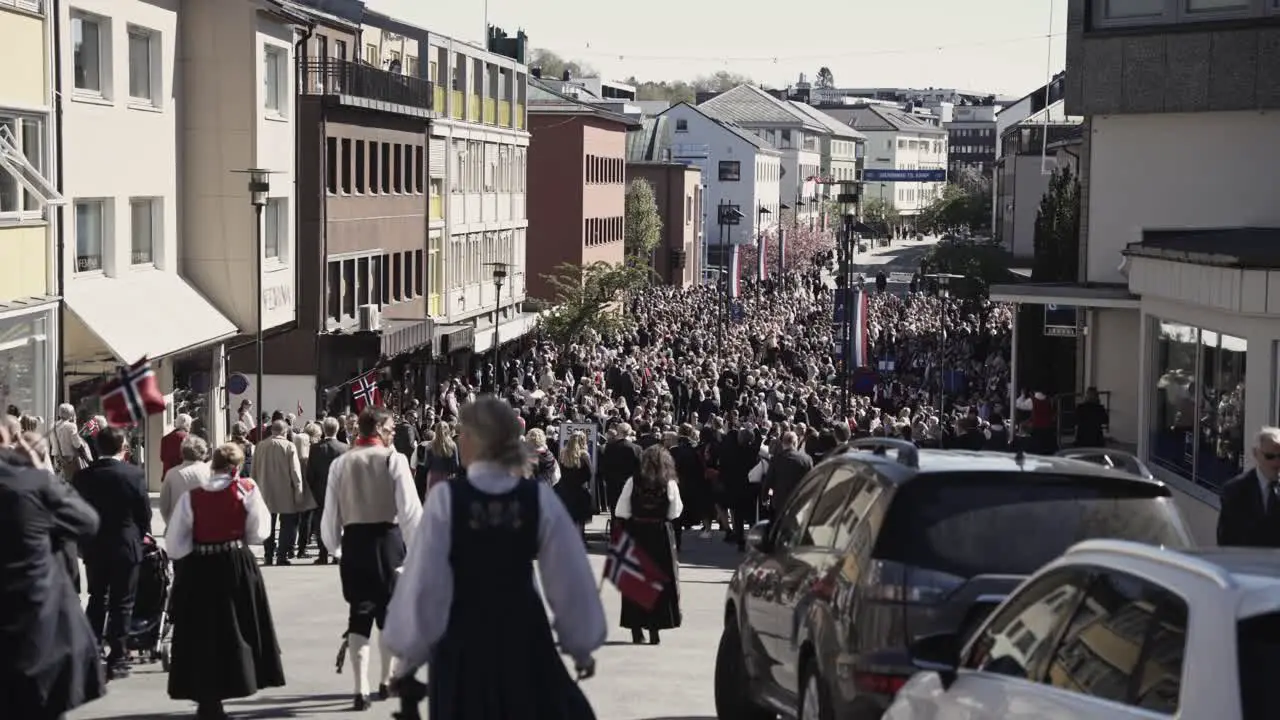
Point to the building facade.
(577, 193)
(677, 188)
(31, 210)
(1025, 167)
(843, 150)
(972, 139)
(898, 140)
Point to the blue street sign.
(934, 175)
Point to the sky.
(1001, 46)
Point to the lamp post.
(761, 211)
(943, 282)
(500, 271)
(259, 191)
(782, 236)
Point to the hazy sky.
(996, 45)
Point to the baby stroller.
(149, 631)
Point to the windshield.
(1258, 645)
(969, 525)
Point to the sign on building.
(1061, 321)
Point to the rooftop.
(748, 105)
(742, 133)
(882, 118)
(542, 98)
(833, 126)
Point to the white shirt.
(408, 507)
(419, 611)
(178, 537)
(674, 508)
(178, 481)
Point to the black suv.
(883, 543)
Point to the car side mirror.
(938, 653)
(758, 537)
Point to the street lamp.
(259, 192)
(943, 283)
(760, 213)
(500, 272)
(782, 237)
(727, 216)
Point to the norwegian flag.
(632, 571)
(365, 392)
(133, 395)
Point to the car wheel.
(732, 690)
(814, 702)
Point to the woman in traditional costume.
(468, 602)
(224, 641)
(647, 506)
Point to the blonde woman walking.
(574, 488)
(441, 462)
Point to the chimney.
(567, 75)
(536, 71)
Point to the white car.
(1115, 629)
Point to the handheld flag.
(630, 570)
(365, 392)
(132, 395)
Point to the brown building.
(577, 185)
(677, 187)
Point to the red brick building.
(677, 187)
(577, 185)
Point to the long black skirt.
(224, 640)
(656, 540)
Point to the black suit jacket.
(1243, 519)
(322, 456)
(118, 492)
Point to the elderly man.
(171, 445)
(67, 450)
(323, 454)
(786, 468)
(278, 471)
(1250, 513)
(192, 473)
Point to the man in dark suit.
(118, 492)
(1250, 513)
(619, 461)
(322, 456)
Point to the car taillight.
(878, 683)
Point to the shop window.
(23, 361)
(1197, 423)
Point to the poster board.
(592, 431)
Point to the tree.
(802, 245)
(587, 300)
(981, 264)
(674, 92)
(643, 224)
(825, 79)
(964, 202)
(553, 66)
(721, 81)
(1057, 230)
(880, 214)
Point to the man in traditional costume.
(468, 602)
(371, 511)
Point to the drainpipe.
(59, 219)
(299, 54)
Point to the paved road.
(672, 681)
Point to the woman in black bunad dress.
(574, 487)
(224, 640)
(467, 602)
(647, 506)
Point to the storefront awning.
(148, 313)
(1232, 269)
(405, 336)
(1073, 294)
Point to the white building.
(841, 149)
(1014, 113)
(898, 140)
(794, 133)
(1023, 173)
(741, 172)
(1179, 285)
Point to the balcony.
(473, 108)
(331, 76)
(439, 98)
(433, 305)
(455, 104)
(490, 111)
(437, 207)
(504, 113)
(519, 125)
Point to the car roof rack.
(908, 453)
(1170, 557)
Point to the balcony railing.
(437, 207)
(490, 111)
(519, 125)
(504, 113)
(331, 76)
(455, 104)
(473, 107)
(439, 99)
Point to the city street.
(672, 681)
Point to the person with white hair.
(67, 450)
(192, 473)
(278, 471)
(171, 445)
(1250, 512)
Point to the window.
(730, 170)
(371, 54)
(376, 185)
(331, 161)
(1128, 13)
(789, 529)
(832, 504)
(275, 228)
(682, 125)
(275, 79)
(90, 231)
(397, 157)
(24, 190)
(88, 33)
(393, 61)
(361, 167)
(385, 167)
(419, 169)
(340, 49)
(1018, 641)
(142, 66)
(346, 165)
(145, 224)
(411, 66)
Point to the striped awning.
(405, 336)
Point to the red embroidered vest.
(218, 516)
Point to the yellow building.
(30, 207)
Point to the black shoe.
(360, 703)
(117, 671)
(302, 554)
(268, 560)
(210, 711)
(283, 562)
(637, 636)
(322, 560)
(653, 637)
(384, 692)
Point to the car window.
(963, 523)
(795, 516)
(1124, 643)
(1019, 638)
(1258, 654)
(831, 507)
(866, 491)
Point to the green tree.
(587, 300)
(721, 81)
(553, 66)
(1057, 231)
(643, 224)
(825, 79)
(880, 214)
(981, 264)
(674, 91)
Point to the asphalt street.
(671, 681)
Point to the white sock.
(358, 649)
(387, 659)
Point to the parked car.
(1115, 630)
(883, 543)
(1110, 457)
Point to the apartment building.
(677, 188)
(1025, 167)
(1179, 163)
(31, 210)
(897, 140)
(842, 150)
(577, 193)
(741, 174)
(792, 132)
(972, 135)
